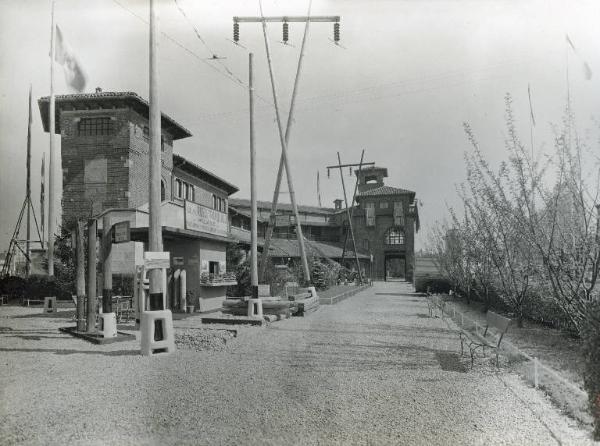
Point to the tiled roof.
(245, 203)
(385, 190)
(179, 162)
(140, 104)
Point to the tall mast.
(28, 190)
(52, 163)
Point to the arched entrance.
(395, 267)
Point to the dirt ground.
(373, 369)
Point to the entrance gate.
(395, 267)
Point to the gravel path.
(373, 369)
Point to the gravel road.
(373, 369)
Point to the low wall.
(345, 295)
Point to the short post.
(535, 372)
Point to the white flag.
(65, 56)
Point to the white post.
(183, 289)
(53, 163)
(155, 228)
(253, 206)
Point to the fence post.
(535, 372)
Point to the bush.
(434, 285)
(546, 311)
(324, 274)
(13, 287)
(591, 351)
(38, 287)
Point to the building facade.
(384, 221)
(105, 164)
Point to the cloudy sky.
(408, 75)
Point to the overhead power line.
(227, 75)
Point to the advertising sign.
(203, 219)
(121, 232)
(157, 259)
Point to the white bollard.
(255, 308)
(108, 325)
(156, 332)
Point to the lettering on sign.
(203, 219)
(157, 259)
(121, 232)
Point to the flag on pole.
(64, 55)
(587, 71)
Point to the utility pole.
(283, 162)
(106, 265)
(52, 164)
(253, 225)
(155, 224)
(349, 215)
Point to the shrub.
(38, 287)
(13, 286)
(591, 351)
(434, 285)
(324, 274)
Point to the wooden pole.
(155, 228)
(349, 218)
(28, 191)
(362, 155)
(80, 260)
(91, 284)
(52, 163)
(253, 210)
(283, 161)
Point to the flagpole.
(28, 190)
(52, 163)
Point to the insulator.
(286, 33)
(350, 170)
(328, 174)
(236, 32)
(336, 32)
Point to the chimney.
(337, 203)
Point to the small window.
(178, 188)
(213, 268)
(192, 194)
(398, 214)
(370, 213)
(383, 205)
(186, 191)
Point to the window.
(394, 236)
(213, 268)
(95, 126)
(370, 213)
(178, 188)
(191, 193)
(383, 205)
(219, 204)
(186, 191)
(398, 214)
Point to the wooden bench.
(495, 328)
(28, 302)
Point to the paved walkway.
(374, 369)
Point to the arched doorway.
(395, 267)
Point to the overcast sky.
(408, 74)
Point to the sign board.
(121, 232)
(204, 266)
(157, 259)
(204, 219)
